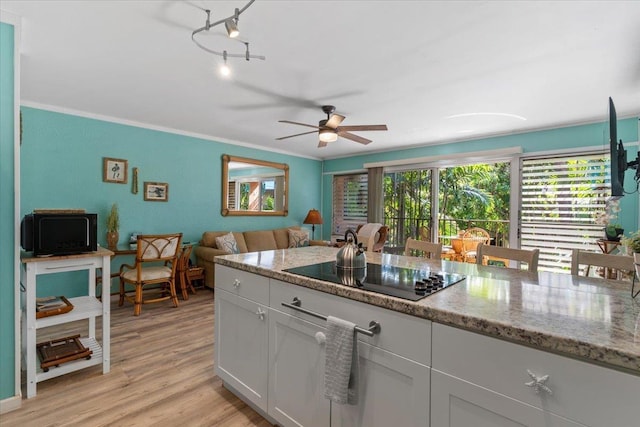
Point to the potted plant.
(613, 232)
(113, 225)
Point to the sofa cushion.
(227, 243)
(209, 240)
(282, 236)
(262, 240)
(298, 238)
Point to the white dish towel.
(341, 363)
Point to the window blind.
(349, 202)
(560, 197)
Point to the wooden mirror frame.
(225, 186)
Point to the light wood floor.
(161, 375)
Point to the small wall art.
(114, 170)
(156, 191)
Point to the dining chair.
(471, 238)
(422, 248)
(155, 264)
(609, 262)
(182, 272)
(499, 256)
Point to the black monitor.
(618, 154)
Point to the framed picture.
(114, 170)
(156, 191)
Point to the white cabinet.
(393, 391)
(296, 372)
(241, 333)
(85, 307)
(393, 388)
(458, 403)
(241, 345)
(486, 378)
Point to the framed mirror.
(254, 187)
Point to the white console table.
(84, 307)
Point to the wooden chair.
(499, 256)
(156, 259)
(182, 271)
(615, 262)
(427, 249)
(371, 243)
(471, 238)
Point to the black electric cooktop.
(399, 282)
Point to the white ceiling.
(410, 64)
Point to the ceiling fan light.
(232, 28)
(328, 135)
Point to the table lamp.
(313, 218)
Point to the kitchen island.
(472, 338)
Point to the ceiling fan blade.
(298, 134)
(334, 121)
(362, 127)
(353, 137)
(300, 124)
(322, 144)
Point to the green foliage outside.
(475, 195)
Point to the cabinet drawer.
(242, 283)
(587, 393)
(404, 335)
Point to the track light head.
(224, 68)
(232, 28)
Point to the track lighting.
(231, 25)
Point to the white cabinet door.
(458, 403)
(296, 372)
(393, 391)
(241, 348)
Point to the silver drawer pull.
(236, 283)
(261, 313)
(538, 383)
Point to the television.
(618, 155)
(59, 233)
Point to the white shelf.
(83, 308)
(87, 307)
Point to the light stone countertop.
(588, 318)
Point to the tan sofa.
(247, 241)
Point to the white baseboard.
(10, 404)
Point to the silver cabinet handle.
(538, 383)
(236, 283)
(261, 313)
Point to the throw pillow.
(298, 238)
(227, 243)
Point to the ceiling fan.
(329, 129)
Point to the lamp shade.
(313, 217)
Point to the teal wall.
(554, 139)
(7, 248)
(61, 161)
